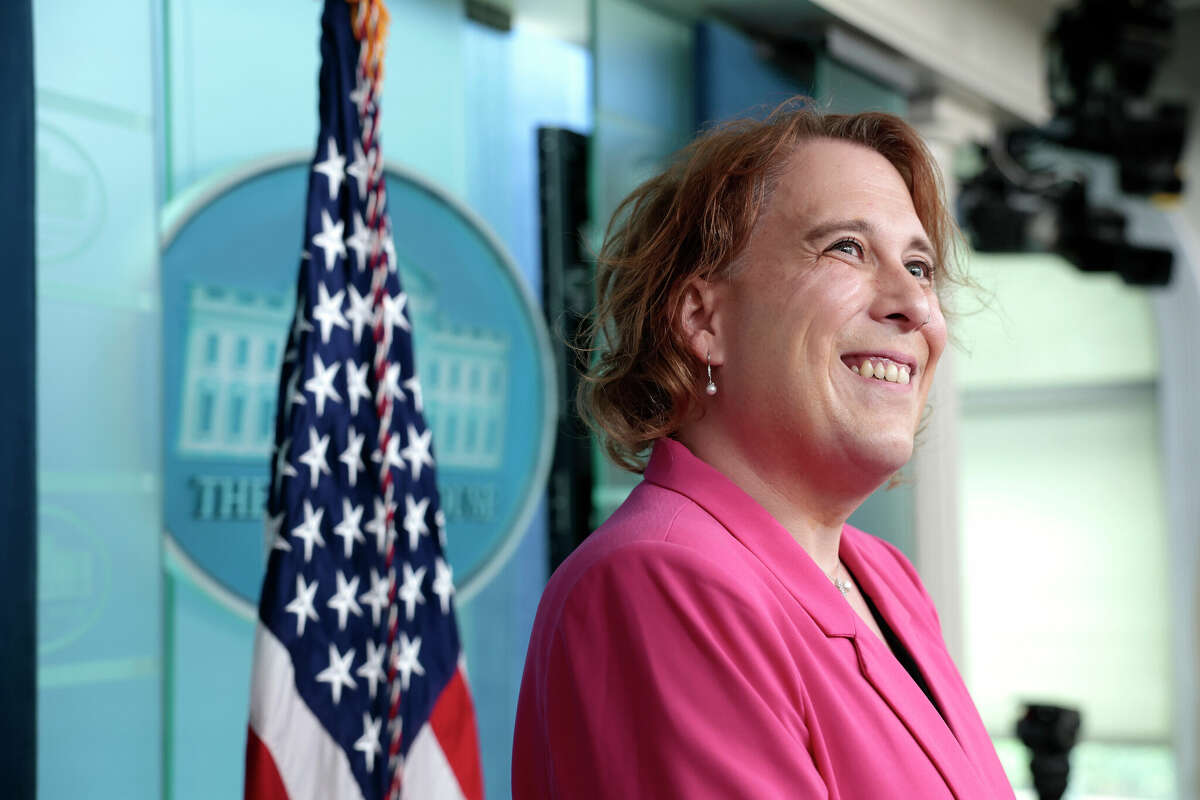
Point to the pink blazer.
(691, 649)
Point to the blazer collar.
(674, 467)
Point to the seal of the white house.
(230, 254)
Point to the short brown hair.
(693, 220)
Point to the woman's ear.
(699, 319)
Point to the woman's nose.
(901, 297)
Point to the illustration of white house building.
(232, 355)
(232, 358)
(464, 379)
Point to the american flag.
(359, 688)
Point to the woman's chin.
(882, 455)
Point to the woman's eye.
(849, 247)
(919, 269)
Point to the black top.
(901, 652)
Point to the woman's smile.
(836, 284)
(880, 367)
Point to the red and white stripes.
(289, 754)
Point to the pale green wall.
(1064, 555)
(1038, 321)
(1064, 535)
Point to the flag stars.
(300, 326)
(359, 96)
(410, 590)
(408, 662)
(372, 668)
(389, 249)
(360, 314)
(359, 241)
(391, 455)
(343, 601)
(360, 171)
(393, 311)
(333, 168)
(414, 388)
(417, 451)
(302, 604)
(377, 597)
(380, 526)
(337, 674)
(352, 455)
(314, 457)
(273, 532)
(300, 323)
(283, 467)
(294, 396)
(439, 522)
(328, 312)
(443, 583)
(356, 382)
(329, 239)
(390, 387)
(321, 384)
(368, 743)
(414, 520)
(349, 528)
(309, 531)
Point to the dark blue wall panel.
(734, 78)
(18, 678)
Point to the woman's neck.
(812, 504)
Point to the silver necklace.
(842, 586)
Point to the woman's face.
(837, 274)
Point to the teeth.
(883, 370)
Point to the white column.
(946, 125)
(1178, 307)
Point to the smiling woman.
(695, 220)
(836, 272)
(769, 323)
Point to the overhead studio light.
(1103, 55)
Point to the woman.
(769, 324)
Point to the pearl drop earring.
(711, 388)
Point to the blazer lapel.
(946, 736)
(673, 466)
